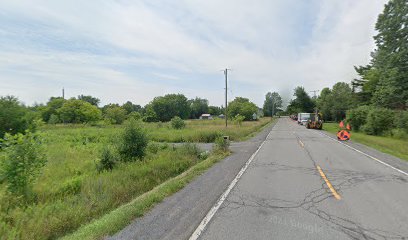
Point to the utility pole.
(226, 96)
(314, 93)
(63, 93)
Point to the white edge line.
(367, 155)
(196, 234)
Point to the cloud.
(135, 50)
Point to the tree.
(78, 111)
(341, 100)
(13, 116)
(51, 108)
(214, 110)
(272, 102)
(130, 107)
(133, 141)
(385, 80)
(198, 106)
(150, 115)
(170, 105)
(334, 103)
(243, 107)
(115, 114)
(301, 103)
(92, 100)
(324, 103)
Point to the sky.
(137, 50)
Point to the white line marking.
(224, 196)
(367, 155)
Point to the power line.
(314, 92)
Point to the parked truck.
(303, 118)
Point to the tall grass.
(70, 192)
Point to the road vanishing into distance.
(303, 185)
(297, 184)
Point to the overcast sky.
(136, 50)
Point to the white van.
(303, 118)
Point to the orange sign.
(343, 135)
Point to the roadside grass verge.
(122, 216)
(385, 144)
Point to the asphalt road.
(178, 215)
(303, 185)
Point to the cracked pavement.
(282, 195)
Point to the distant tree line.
(15, 117)
(377, 101)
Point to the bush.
(239, 119)
(54, 119)
(133, 141)
(107, 160)
(21, 162)
(379, 121)
(357, 117)
(115, 115)
(78, 111)
(12, 116)
(401, 120)
(135, 115)
(177, 123)
(222, 144)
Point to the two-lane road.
(303, 185)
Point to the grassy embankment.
(71, 193)
(386, 144)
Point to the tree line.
(377, 101)
(16, 117)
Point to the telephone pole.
(63, 93)
(226, 96)
(314, 93)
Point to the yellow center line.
(334, 192)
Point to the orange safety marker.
(343, 135)
(348, 127)
(341, 125)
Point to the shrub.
(54, 119)
(154, 147)
(239, 119)
(115, 115)
(78, 111)
(107, 160)
(177, 123)
(133, 141)
(21, 162)
(379, 121)
(401, 120)
(135, 115)
(222, 144)
(357, 117)
(71, 186)
(12, 116)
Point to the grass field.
(71, 193)
(386, 144)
